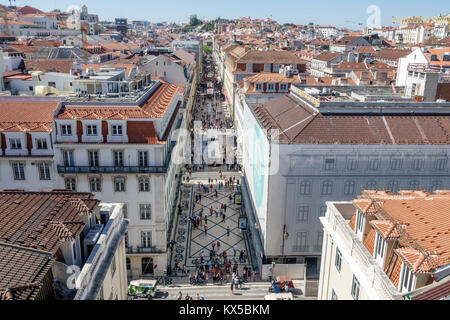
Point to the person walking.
(179, 296)
(231, 287)
(206, 230)
(228, 231)
(218, 246)
(235, 249)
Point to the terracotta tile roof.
(438, 292)
(419, 216)
(375, 65)
(385, 228)
(265, 77)
(102, 113)
(391, 54)
(42, 221)
(142, 132)
(326, 56)
(270, 56)
(301, 125)
(22, 271)
(46, 65)
(365, 49)
(160, 101)
(26, 116)
(369, 241)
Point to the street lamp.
(285, 238)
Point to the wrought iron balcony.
(111, 170)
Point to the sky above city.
(349, 13)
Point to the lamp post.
(285, 238)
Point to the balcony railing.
(141, 250)
(424, 67)
(111, 169)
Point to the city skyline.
(350, 15)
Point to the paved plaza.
(193, 242)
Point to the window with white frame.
(95, 184)
(352, 164)
(355, 288)
(327, 188)
(380, 247)
(18, 171)
(259, 87)
(301, 242)
(349, 187)
(145, 211)
(407, 279)
(68, 158)
(117, 130)
(41, 144)
(374, 164)
(44, 171)
(271, 87)
(396, 163)
(338, 260)
(126, 240)
(276, 68)
(91, 130)
(330, 164)
(304, 188)
(302, 213)
(441, 164)
(143, 159)
(249, 67)
(283, 87)
(15, 143)
(267, 67)
(93, 158)
(417, 164)
(146, 239)
(119, 184)
(360, 222)
(66, 130)
(144, 184)
(118, 158)
(71, 184)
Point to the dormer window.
(249, 67)
(66, 130)
(41, 144)
(117, 130)
(271, 87)
(259, 87)
(267, 67)
(15, 144)
(91, 130)
(380, 248)
(276, 68)
(407, 279)
(359, 223)
(283, 87)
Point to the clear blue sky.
(335, 12)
